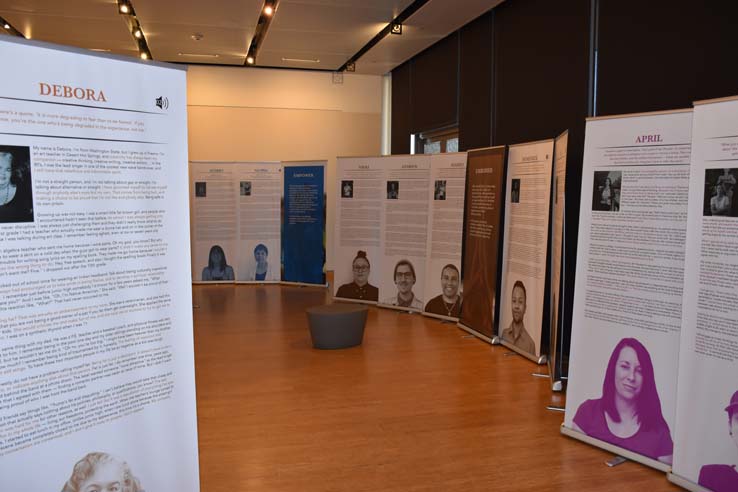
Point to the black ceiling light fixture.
(394, 27)
(262, 26)
(125, 8)
(8, 28)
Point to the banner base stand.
(496, 340)
(684, 483)
(557, 386)
(555, 408)
(476, 333)
(540, 360)
(616, 461)
(644, 460)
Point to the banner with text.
(96, 347)
(706, 441)
(405, 231)
(482, 217)
(303, 235)
(236, 225)
(358, 228)
(621, 391)
(445, 228)
(524, 260)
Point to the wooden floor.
(420, 406)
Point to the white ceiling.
(328, 32)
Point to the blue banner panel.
(303, 239)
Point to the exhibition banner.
(404, 231)
(621, 392)
(259, 187)
(96, 350)
(214, 225)
(482, 216)
(706, 440)
(445, 228)
(358, 235)
(236, 221)
(524, 255)
(558, 271)
(303, 222)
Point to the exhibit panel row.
(398, 231)
(405, 223)
(653, 331)
(96, 348)
(258, 222)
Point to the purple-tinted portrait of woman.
(629, 413)
(724, 477)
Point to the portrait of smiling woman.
(629, 413)
(360, 288)
(101, 472)
(16, 202)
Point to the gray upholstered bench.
(335, 326)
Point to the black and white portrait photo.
(102, 472)
(245, 187)
(439, 192)
(393, 190)
(16, 200)
(201, 188)
(347, 189)
(515, 191)
(606, 191)
(719, 189)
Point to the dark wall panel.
(434, 86)
(665, 54)
(541, 69)
(401, 108)
(475, 83)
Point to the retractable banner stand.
(706, 442)
(303, 222)
(524, 260)
(259, 188)
(358, 236)
(445, 228)
(214, 227)
(97, 379)
(481, 250)
(405, 231)
(621, 392)
(558, 208)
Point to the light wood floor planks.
(419, 407)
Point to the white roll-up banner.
(626, 323)
(445, 228)
(236, 226)
(405, 231)
(96, 350)
(358, 228)
(524, 260)
(706, 441)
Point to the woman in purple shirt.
(629, 413)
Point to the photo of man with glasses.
(405, 280)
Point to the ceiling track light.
(134, 27)
(394, 27)
(262, 26)
(125, 8)
(8, 28)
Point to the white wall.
(247, 114)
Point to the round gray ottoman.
(335, 326)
